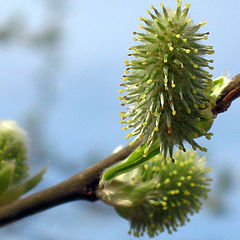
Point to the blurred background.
(61, 64)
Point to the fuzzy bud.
(13, 148)
(14, 179)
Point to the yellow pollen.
(194, 91)
(146, 166)
(187, 5)
(173, 113)
(155, 20)
(148, 12)
(155, 35)
(195, 50)
(184, 40)
(134, 39)
(155, 114)
(121, 90)
(148, 53)
(180, 147)
(122, 115)
(178, 36)
(165, 80)
(152, 7)
(167, 181)
(211, 52)
(144, 123)
(131, 143)
(189, 20)
(209, 47)
(156, 129)
(146, 150)
(149, 81)
(173, 85)
(203, 23)
(195, 65)
(174, 172)
(128, 136)
(140, 18)
(125, 128)
(164, 204)
(124, 79)
(171, 49)
(144, 63)
(141, 26)
(187, 50)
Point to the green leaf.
(33, 181)
(134, 160)
(15, 191)
(6, 176)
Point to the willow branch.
(83, 185)
(229, 93)
(80, 186)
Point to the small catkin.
(156, 197)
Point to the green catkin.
(13, 148)
(14, 176)
(155, 197)
(167, 86)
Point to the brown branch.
(80, 186)
(229, 93)
(83, 185)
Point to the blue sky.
(85, 116)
